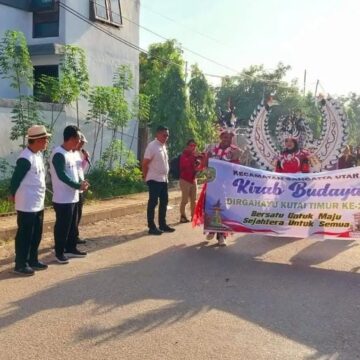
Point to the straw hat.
(37, 132)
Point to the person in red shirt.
(188, 184)
(292, 159)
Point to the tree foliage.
(253, 85)
(16, 66)
(202, 106)
(73, 81)
(162, 81)
(351, 104)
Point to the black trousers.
(79, 214)
(28, 237)
(65, 227)
(157, 191)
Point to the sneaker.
(81, 241)
(221, 240)
(155, 231)
(75, 254)
(210, 236)
(62, 259)
(184, 219)
(167, 228)
(24, 271)
(38, 266)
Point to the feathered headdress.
(326, 148)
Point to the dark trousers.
(79, 214)
(157, 191)
(65, 227)
(28, 237)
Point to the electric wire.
(139, 49)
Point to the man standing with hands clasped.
(66, 185)
(28, 191)
(155, 168)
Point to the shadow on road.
(306, 305)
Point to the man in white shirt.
(28, 191)
(66, 185)
(155, 168)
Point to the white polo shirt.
(30, 195)
(63, 193)
(156, 152)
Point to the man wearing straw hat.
(28, 190)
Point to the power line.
(183, 47)
(139, 49)
(185, 27)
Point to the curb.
(129, 207)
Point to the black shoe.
(24, 271)
(167, 228)
(62, 259)
(155, 231)
(38, 266)
(80, 241)
(75, 253)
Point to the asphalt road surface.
(175, 296)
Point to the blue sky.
(319, 36)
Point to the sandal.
(184, 219)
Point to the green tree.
(202, 106)
(72, 84)
(154, 67)
(16, 66)
(162, 80)
(108, 107)
(141, 111)
(99, 110)
(254, 84)
(121, 113)
(351, 104)
(171, 109)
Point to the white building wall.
(104, 55)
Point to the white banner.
(242, 199)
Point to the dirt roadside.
(99, 234)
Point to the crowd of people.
(68, 164)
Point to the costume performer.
(312, 155)
(225, 150)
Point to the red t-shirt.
(187, 167)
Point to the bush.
(119, 181)
(5, 205)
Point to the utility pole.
(304, 81)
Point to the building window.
(108, 11)
(46, 21)
(39, 71)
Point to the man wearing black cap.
(66, 185)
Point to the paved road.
(177, 297)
